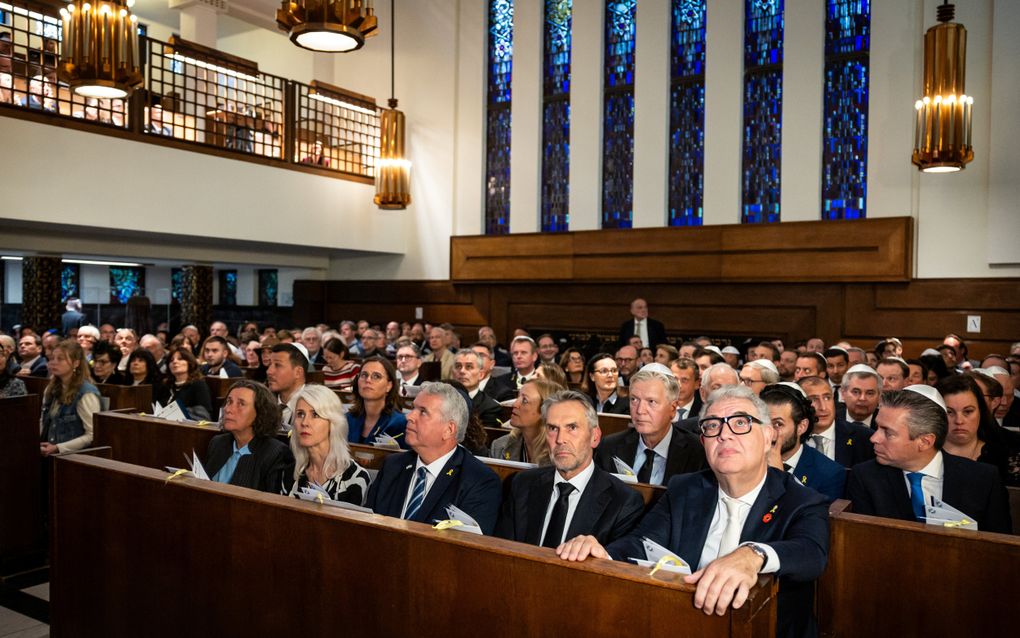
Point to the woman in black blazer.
(248, 454)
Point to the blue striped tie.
(417, 494)
(916, 494)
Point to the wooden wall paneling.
(520, 257)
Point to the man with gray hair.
(73, 318)
(910, 470)
(736, 520)
(467, 370)
(548, 505)
(717, 375)
(419, 484)
(155, 346)
(654, 448)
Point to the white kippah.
(861, 368)
(900, 359)
(302, 349)
(793, 385)
(730, 350)
(929, 393)
(928, 351)
(657, 367)
(714, 349)
(841, 349)
(765, 364)
(993, 371)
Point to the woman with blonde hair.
(526, 441)
(322, 457)
(69, 401)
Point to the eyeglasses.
(375, 376)
(606, 371)
(402, 357)
(711, 426)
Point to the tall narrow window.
(618, 116)
(268, 292)
(763, 110)
(845, 125)
(228, 287)
(497, 126)
(126, 282)
(70, 278)
(687, 114)
(556, 116)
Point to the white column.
(526, 116)
(469, 142)
(1003, 154)
(586, 115)
(724, 68)
(651, 113)
(198, 21)
(803, 93)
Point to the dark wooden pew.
(137, 397)
(35, 385)
(897, 578)
(21, 500)
(185, 555)
(1014, 507)
(613, 423)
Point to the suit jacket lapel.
(675, 454)
(401, 484)
(596, 497)
(698, 507)
(630, 443)
(536, 502)
(896, 488)
(951, 484)
(446, 479)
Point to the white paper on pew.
(157, 407)
(317, 495)
(521, 465)
(626, 478)
(197, 469)
(171, 412)
(624, 469)
(654, 552)
(468, 524)
(945, 515)
(385, 441)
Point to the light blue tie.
(227, 471)
(916, 494)
(417, 494)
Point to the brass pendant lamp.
(99, 54)
(393, 171)
(328, 26)
(943, 127)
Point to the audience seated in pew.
(419, 484)
(910, 468)
(216, 353)
(142, 370)
(794, 420)
(601, 382)
(653, 448)
(467, 370)
(105, 361)
(248, 454)
(548, 505)
(286, 376)
(527, 442)
(321, 455)
(69, 403)
(187, 386)
(735, 520)
(376, 409)
(973, 431)
(845, 443)
(715, 376)
(476, 439)
(10, 385)
(340, 371)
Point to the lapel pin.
(449, 472)
(803, 479)
(768, 515)
(849, 441)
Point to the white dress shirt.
(795, 459)
(715, 531)
(579, 482)
(830, 441)
(684, 411)
(641, 330)
(866, 422)
(661, 452)
(289, 407)
(432, 471)
(933, 479)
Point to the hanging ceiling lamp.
(99, 48)
(329, 26)
(942, 129)
(393, 171)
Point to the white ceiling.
(261, 13)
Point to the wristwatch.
(759, 550)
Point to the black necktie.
(554, 532)
(860, 423)
(787, 467)
(645, 474)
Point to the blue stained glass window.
(497, 137)
(763, 110)
(125, 282)
(228, 287)
(845, 125)
(687, 114)
(176, 284)
(556, 117)
(618, 115)
(268, 279)
(70, 276)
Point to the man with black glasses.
(736, 520)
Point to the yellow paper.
(447, 524)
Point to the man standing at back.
(418, 485)
(73, 318)
(548, 505)
(651, 332)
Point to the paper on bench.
(318, 495)
(197, 469)
(624, 472)
(385, 441)
(170, 412)
(654, 553)
(945, 515)
(459, 520)
(521, 465)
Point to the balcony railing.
(195, 96)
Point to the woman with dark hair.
(105, 359)
(187, 387)
(248, 454)
(142, 370)
(10, 385)
(572, 363)
(69, 401)
(937, 369)
(340, 372)
(973, 432)
(601, 381)
(376, 410)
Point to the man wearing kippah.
(910, 469)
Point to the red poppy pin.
(768, 515)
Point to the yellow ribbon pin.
(803, 480)
(318, 497)
(175, 475)
(665, 560)
(849, 441)
(449, 472)
(447, 524)
(959, 523)
(203, 424)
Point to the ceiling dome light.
(328, 26)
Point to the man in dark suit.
(910, 468)
(651, 332)
(845, 443)
(467, 369)
(419, 484)
(216, 353)
(736, 520)
(794, 420)
(860, 390)
(716, 376)
(548, 505)
(73, 318)
(30, 357)
(494, 387)
(653, 447)
(408, 360)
